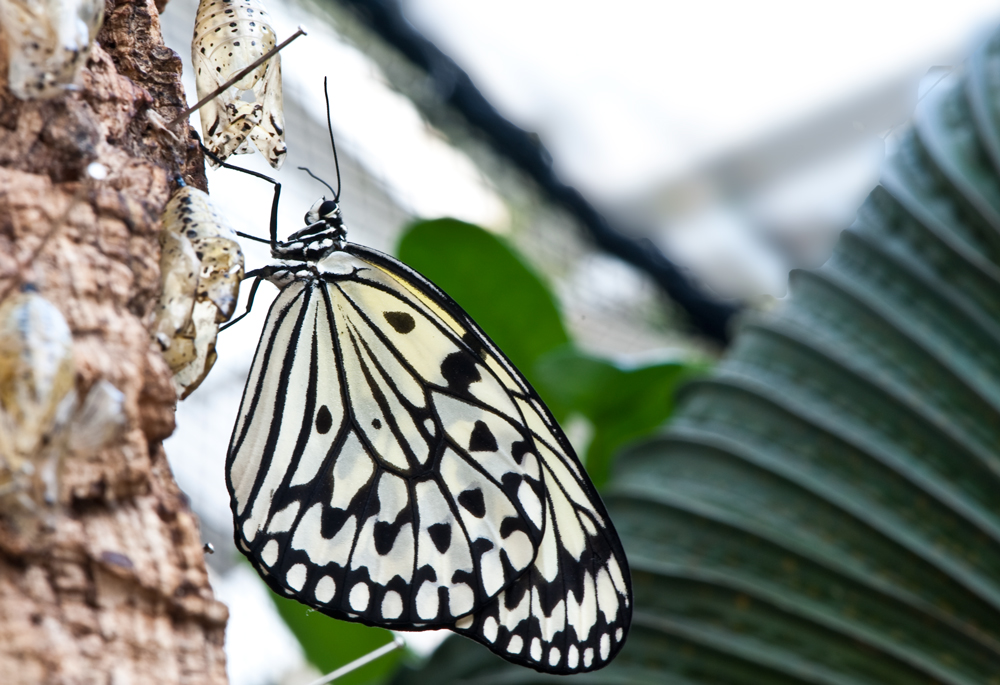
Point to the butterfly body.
(390, 466)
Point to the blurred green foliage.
(490, 282)
(621, 405)
(823, 507)
(518, 311)
(330, 644)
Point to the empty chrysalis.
(201, 266)
(47, 43)
(229, 35)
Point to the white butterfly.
(390, 466)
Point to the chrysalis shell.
(201, 267)
(47, 43)
(229, 35)
(99, 420)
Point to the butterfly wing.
(570, 611)
(390, 466)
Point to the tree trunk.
(113, 587)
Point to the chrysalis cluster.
(201, 266)
(41, 417)
(229, 35)
(47, 43)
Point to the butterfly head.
(324, 232)
(327, 211)
(323, 219)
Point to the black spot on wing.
(401, 321)
(473, 501)
(481, 546)
(376, 424)
(460, 370)
(385, 536)
(331, 520)
(514, 594)
(519, 449)
(324, 421)
(512, 523)
(475, 344)
(441, 536)
(482, 439)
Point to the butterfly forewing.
(391, 466)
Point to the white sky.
(633, 90)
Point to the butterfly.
(390, 466)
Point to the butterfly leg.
(274, 203)
(258, 275)
(264, 274)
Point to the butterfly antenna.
(329, 127)
(317, 178)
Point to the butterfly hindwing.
(390, 466)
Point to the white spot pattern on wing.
(296, 577)
(351, 473)
(397, 561)
(308, 537)
(392, 605)
(283, 520)
(326, 588)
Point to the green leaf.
(484, 275)
(330, 644)
(621, 404)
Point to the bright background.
(740, 136)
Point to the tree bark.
(113, 588)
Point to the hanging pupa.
(41, 416)
(201, 266)
(36, 371)
(229, 35)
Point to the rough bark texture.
(113, 587)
